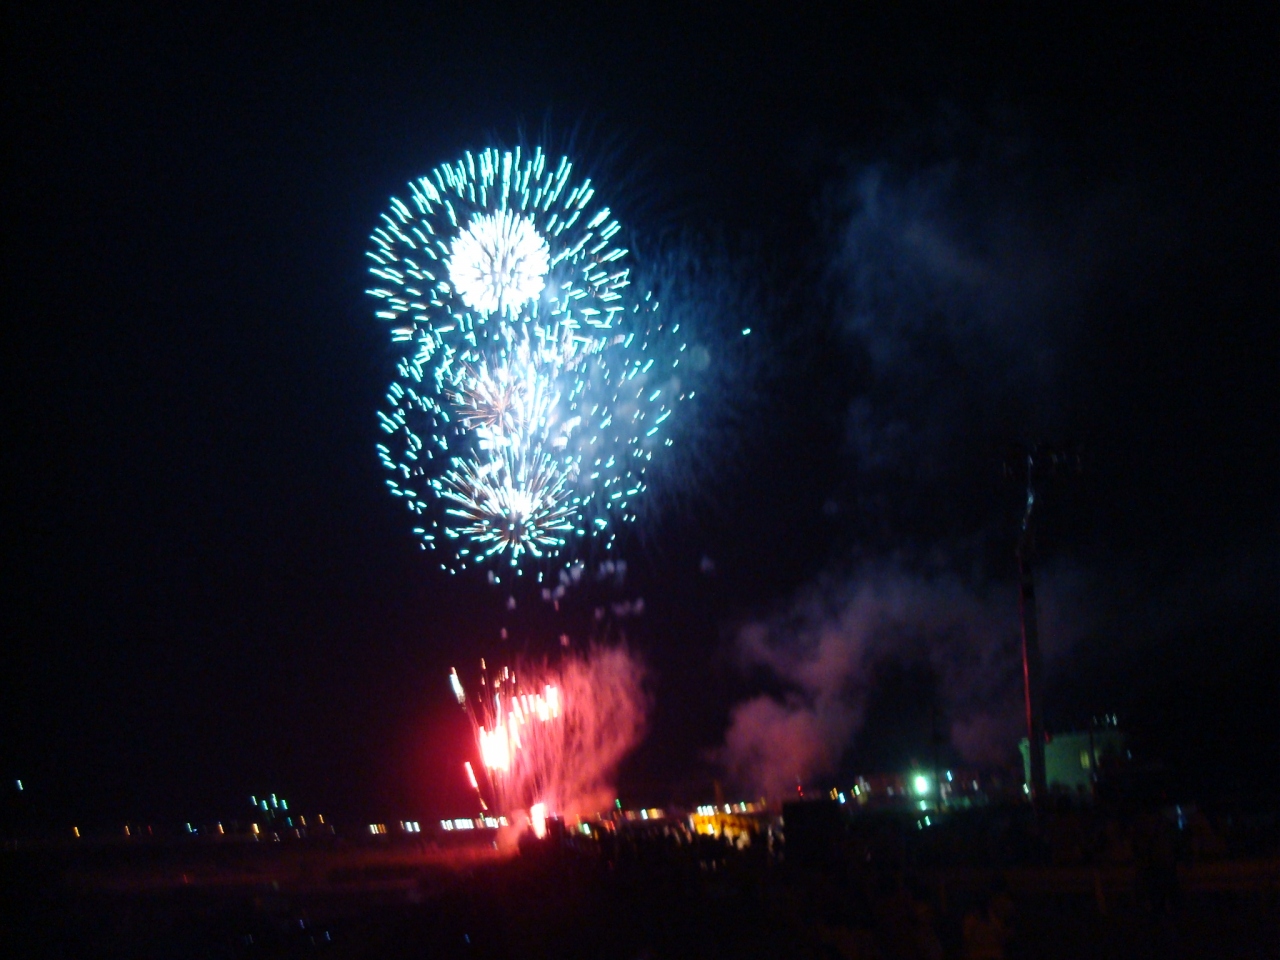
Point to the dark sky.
(953, 229)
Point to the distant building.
(1073, 762)
(738, 823)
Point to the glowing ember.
(538, 819)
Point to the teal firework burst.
(533, 380)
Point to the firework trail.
(552, 737)
(533, 382)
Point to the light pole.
(1035, 462)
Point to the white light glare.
(499, 263)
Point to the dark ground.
(649, 899)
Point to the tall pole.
(1032, 663)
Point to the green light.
(921, 784)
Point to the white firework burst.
(509, 505)
(499, 263)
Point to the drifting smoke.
(963, 291)
(605, 711)
(717, 296)
(825, 652)
(960, 292)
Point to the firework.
(549, 738)
(533, 382)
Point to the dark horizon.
(949, 230)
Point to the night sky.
(950, 229)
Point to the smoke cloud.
(715, 295)
(961, 286)
(605, 709)
(965, 295)
(825, 651)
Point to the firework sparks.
(549, 744)
(533, 385)
(498, 263)
(509, 504)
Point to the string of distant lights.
(533, 383)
